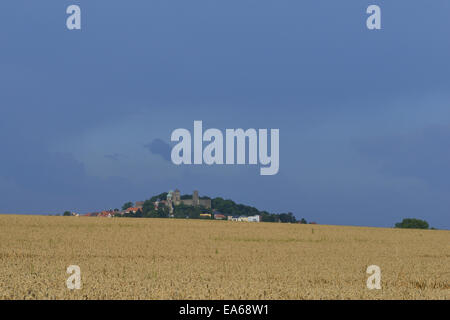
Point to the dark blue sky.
(364, 116)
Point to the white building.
(256, 218)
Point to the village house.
(219, 216)
(132, 210)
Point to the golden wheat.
(123, 258)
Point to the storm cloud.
(159, 147)
(422, 154)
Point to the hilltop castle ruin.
(174, 198)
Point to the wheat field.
(126, 258)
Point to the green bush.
(410, 223)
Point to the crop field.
(126, 258)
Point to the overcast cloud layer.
(364, 117)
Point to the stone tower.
(176, 197)
(195, 200)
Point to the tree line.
(220, 205)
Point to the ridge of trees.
(224, 206)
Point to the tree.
(139, 214)
(410, 223)
(303, 221)
(161, 196)
(67, 213)
(127, 205)
(147, 208)
(151, 214)
(163, 212)
(287, 217)
(182, 211)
